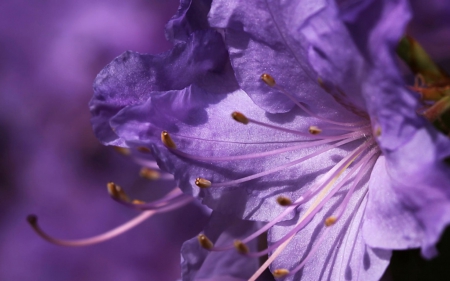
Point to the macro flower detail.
(310, 130)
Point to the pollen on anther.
(314, 130)
(149, 174)
(280, 272)
(202, 183)
(268, 79)
(330, 221)
(284, 201)
(241, 247)
(117, 192)
(377, 132)
(241, 118)
(137, 202)
(167, 140)
(122, 150)
(144, 149)
(205, 242)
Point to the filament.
(92, 240)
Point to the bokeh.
(52, 165)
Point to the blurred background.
(52, 165)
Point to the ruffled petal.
(131, 77)
(256, 34)
(388, 223)
(190, 17)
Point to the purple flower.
(52, 164)
(330, 152)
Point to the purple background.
(52, 165)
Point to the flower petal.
(341, 254)
(131, 77)
(190, 17)
(258, 42)
(202, 126)
(200, 264)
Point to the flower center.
(347, 175)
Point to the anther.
(167, 140)
(241, 247)
(117, 192)
(32, 219)
(281, 272)
(137, 202)
(205, 242)
(268, 79)
(144, 149)
(284, 201)
(149, 174)
(241, 118)
(330, 221)
(314, 130)
(122, 150)
(202, 183)
(377, 132)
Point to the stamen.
(377, 132)
(268, 79)
(149, 174)
(281, 272)
(144, 149)
(241, 118)
(167, 140)
(314, 130)
(284, 201)
(202, 183)
(122, 150)
(117, 192)
(266, 153)
(241, 247)
(205, 242)
(32, 219)
(312, 210)
(308, 135)
(319, 241)
(173, 200)
(282, 167)
(330, 221)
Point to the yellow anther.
(167, 140)
(268, 79)
(205, 242)
(314, 130)
(330, 221)
(122, 150)
(202, 183)
(281, 272)
(149, 174)
(144, 149)
(241, 118)
(241, 247)
(377, 132)
(117, 192)
(137, 202)
(284, 201)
